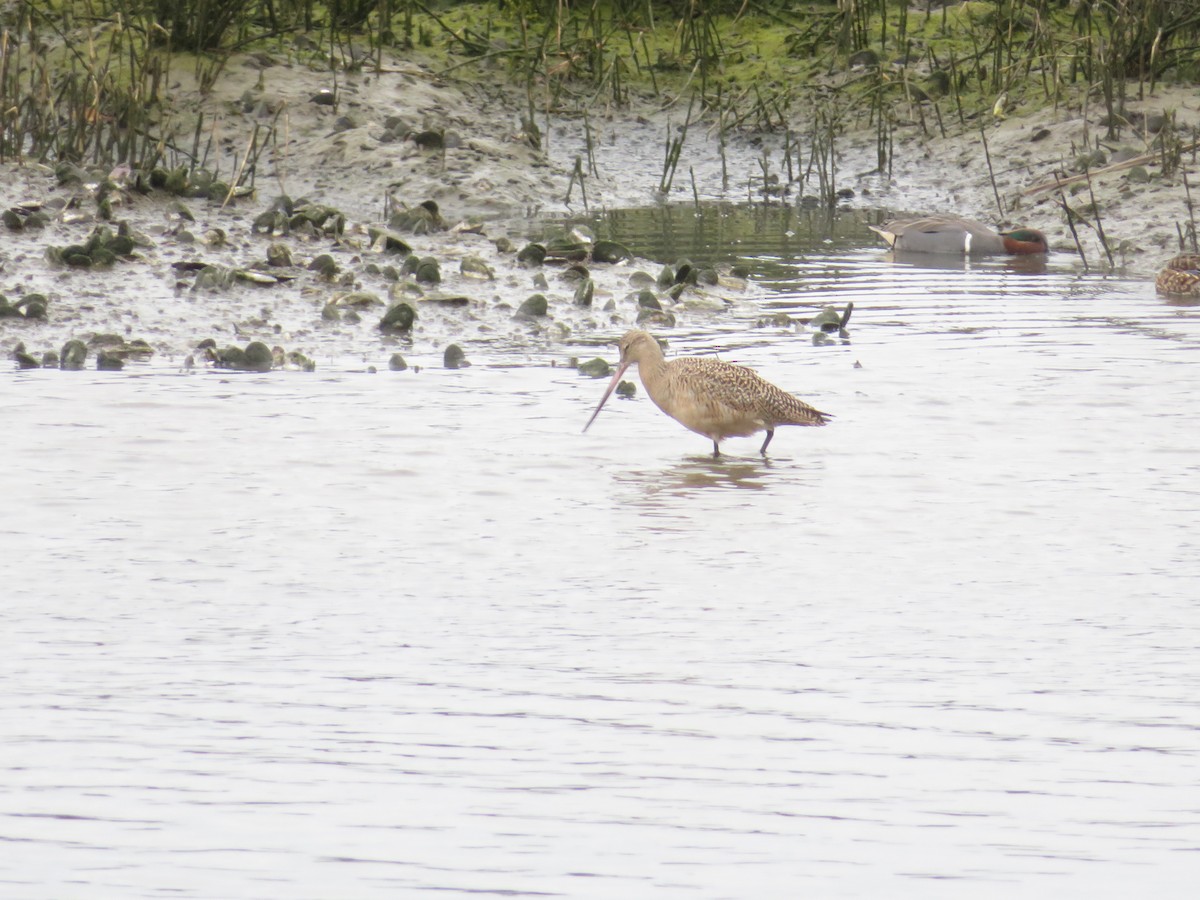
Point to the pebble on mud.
(33, 306)
(258, 357)
(396, 363)
(424, 218)
(324, 266)
(584, 293)
(610, 252)
(73, 355)
(428, 271)
(24, 359)
(532, 255)
(534, 307)
(109, 361)
(595, 368)
(399, 318)
(474, 267)
(454, 358)
(384, 240)
(654, 317)
(279, 255)
(647, 300)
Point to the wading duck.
(964, 237)
(1180, 276)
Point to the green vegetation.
(90, 80)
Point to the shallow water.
(398, 634)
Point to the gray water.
(414, 634)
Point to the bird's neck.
(653, 373)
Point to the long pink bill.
(612, 386)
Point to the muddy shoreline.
(348, 141)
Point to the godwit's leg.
(716, 451)
(770, 434)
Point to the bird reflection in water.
(696, 474)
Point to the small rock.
(576, 272)
(396, 363)
(626, 389)
(324, 265)
(534, 307)
(24, 360)
(828, 319)
(73, 354)
(279, 255)
(454, 358)
(429, 140)
(424, 218)
(398, 318)
(532, 255)
(230, 358)
(595, 368)
(647, 300)
(358, 299)
(258, 357)
(474, 267)
(584, 293)
(385, 240)
(298, 360)
(109, 361)
(610, 252)
(33, 306)
(655, 317)
(428, 271)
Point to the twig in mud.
(281, 167)
(695, 192)
(1058, 182)
(237, 176)
(991, 174)
(591, 146)
(577, 175)
(721, 144)
(1100, 226)
(1062, 201)
(674, 149)
(1191, 208)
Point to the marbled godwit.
(713, 398)
(965, 237)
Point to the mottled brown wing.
(745, 391)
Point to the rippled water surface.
(413, 634)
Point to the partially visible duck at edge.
(964, 237)
(1181, 276)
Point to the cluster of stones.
(414, 278)
(103, 247)
(111, 351)
(31, 306)
(254, 357)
